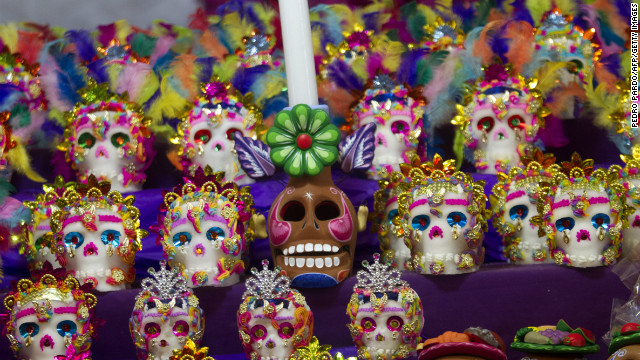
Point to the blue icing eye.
(74, 239)
(110, 237)
(518, 211)
(600, 220)
(215, 233)
(392, 214)
(182, 238)
(420, 222)
(566, 223)
(29, 329)
(67, 327)
(457, 218)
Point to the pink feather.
(522, 36)
(132, 78)
(49, 82)
(442, 78)
(163, 45)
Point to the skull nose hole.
(316, 224)
(292, 211)
(327, 210)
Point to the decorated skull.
(500, 121)
(107, 136)
(443, 35)
(206, 134)
(273, 320)
(629, 177)
(386, 314)
(165, 316)
(582, 214)
(50, 316)
(205, 228)
(514, 205)
(443, 207)
(97, 234)
(397, 111)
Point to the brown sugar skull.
(312, 224)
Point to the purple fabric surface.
(503, 298)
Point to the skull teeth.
(312, 262)
(310, 247)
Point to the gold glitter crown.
(51, 288)
(190, 351)
(96, 97)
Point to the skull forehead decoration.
(582, 213)
(97, 234)
(206, 134)
(52, 315)
(629, 178)
(107, 136)
(441, 206)
(205, 228)
(16, 72)
(356, 45)
(166, 315)
(258, 50)
(443, 36)
(500, 118)
(397, 111)
(38, 244)
(273, 319)
(386, 314)
(514, 202)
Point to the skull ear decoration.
(312, 224)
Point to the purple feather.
(98, 70)
(407, 71)
(465, 11)
(342, 74)
(245, 77)
(521, 13)
(107, 33)
(83, 42)
(254, 156)
(356, 150)
(499, 44)
(206, 65)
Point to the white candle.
(298, 52)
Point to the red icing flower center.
(304, 141)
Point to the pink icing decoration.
(342, 227)
(516, 195)
(279, 230)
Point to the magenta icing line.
(178, 222)
(392, 200)
(25, 312)
(598, 200)
(417, 203)
(456, 202)
(215, 218)
(109, 218)
(560, 204)
(277, 318)
(65, 310)
(385, 309)
(71, 220)
(43, 227)
(516, 195)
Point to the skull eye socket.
(566, 223)
(215, 233)
(392, 214)
(574, 66)
(600, 220)
(457, 218)
(181, 328)
(518, 211)
(258, 332)
(111, 237)
(74, 239)
(286, 330)
(119, 139)
(368, 324)
(327, 210)
(420, 222)
(231, 133)
(400, 127)
(86, 140)
(516, 122)
(395, 323)
(29, 329)
(292, 211)
(66, 328)
(202, 136)
(152, 329)
(486, 124)
(182, 238)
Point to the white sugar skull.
(206, 229)
(500, 123)
(108, 138)
(582, 217)
(397, 111)
(166, 314)
(630, 180)
(514, 205)
(273, 320)
(205, 135)
(386, 314)
(50, 317)
(98, 235)
(443, 219)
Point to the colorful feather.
(184, 69)
(521, 36)
(9, 35)
(212, 45)
(83, 43)
(272, 84)
(356, 150)
(254, 157)
(19, 160)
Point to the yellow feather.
(170, 103)
(149, 88)
(272, 87)
(266, 14)
(19, 160)
(537, 8)
(548, 76)
(359, 67)
(9, 35)
(235, 29)
(113, 71)
(568, 7)
(227, 67)
(391, 52)
(625, 63)
(123, 29)
(602, 102)
(428, 13)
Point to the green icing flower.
(303, 141)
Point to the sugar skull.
(475, 343)
(273, 319)
(38, 243)
(386, 314)
(514, 205)
(205, 228)
(97, 234)
(397, 111)
(206, 134)
(629, 178)
(443, 35)
(166, 315)
(107, 136)
(394, 250)
(499, 122)
(50, 316)
(443, 219)
(20, 79)
(582, 214)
